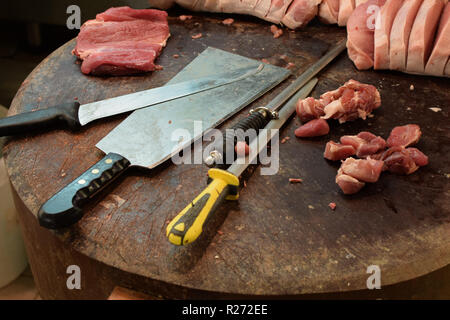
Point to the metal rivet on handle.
(95, 171)
(82, 181)
(108, 161)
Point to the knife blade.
(144, 137)
(73, 115)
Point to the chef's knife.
(145, 138)
(74, 115)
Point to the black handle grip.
(64, 208)
(66, 114)
(255, 121)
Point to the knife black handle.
(64, 208)
(66, 114)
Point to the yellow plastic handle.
(187, 226)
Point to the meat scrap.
(277, 32)
(185, 17)
(197, 36)
(228, 21)
(314, 128)
(351, 101)
(122, 41)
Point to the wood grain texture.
(280, 239)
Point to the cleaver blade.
(148, 136)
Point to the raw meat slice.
(309, 108)
(400, 32)
(300, 12)
(348, 184)
(441, 50)
(422, 35)
(365, 143)
(314, 128)
(360, 34)
(366, 170)
(336, 151)
(329, 11)
(122, 41)
(346, 8)
(404, 136)
(277, 10)
(383, 27)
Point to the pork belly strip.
(300, 12)
(329, 11)
(346, 8)
(422, 35)
(400, 33)
(441, 48)
(382, 34)
(360, 34)
(122, 41)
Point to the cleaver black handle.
(65, 207)
(22, 123)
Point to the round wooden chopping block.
(279, 239)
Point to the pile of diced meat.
(412, 36)
(351, 101)
(375, 155)
(122, 41)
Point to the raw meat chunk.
(348, 184)
(309, 108)
(404, 136)
(441, 50)
(366, 170)
(122, 41)
(336, 151)
(314, 128)
(400, 32)
(422, 35)
(365, 143)
(383, 28)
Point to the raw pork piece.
(358, 2)
(329, 11)
(383, 31)
(300, 13)
(441, 50)
(351, 101)
(400, 32)
(366, 170)
(365, 143)
(346, 8)
(402, 160)
(314, 128)
(122, 41)
(336, 151)
(418, 156)
(277, 10)
(404, 136)
(309, 108)
(360, 34)
(348, 184)
(422, 35)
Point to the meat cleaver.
(144, 138)
(74, 115)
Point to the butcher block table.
(280, 239)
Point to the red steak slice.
(122, 41)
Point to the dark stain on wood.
(280, 239)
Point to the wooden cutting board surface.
(279, 238)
